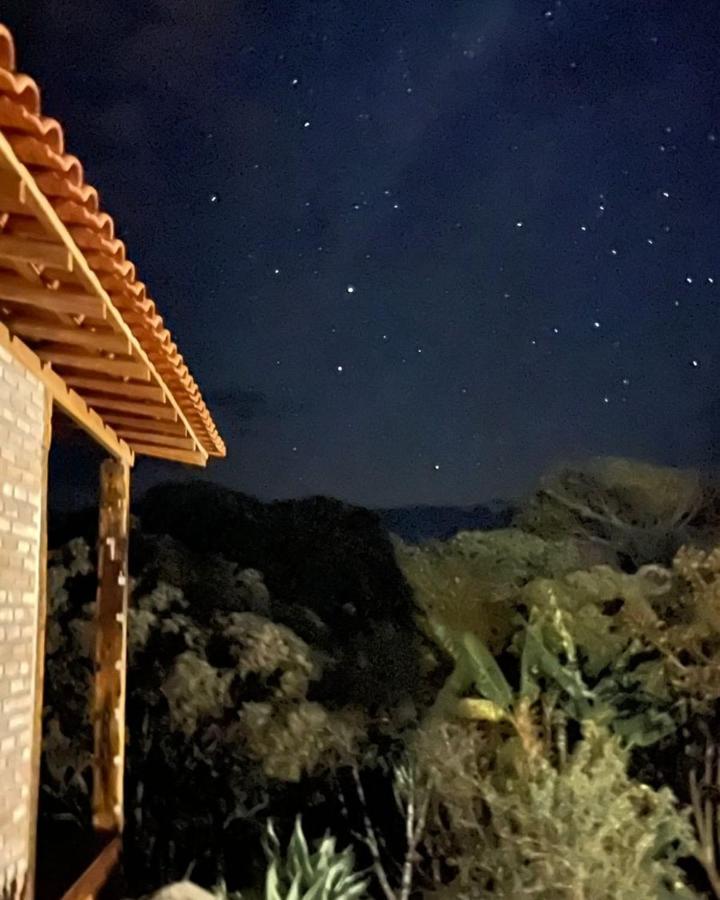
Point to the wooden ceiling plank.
(35, 330)
(18, 290)
(39, 253)
(189, 457)
(147, 409)
(178, 443)
(143, 423)
(121, 368)
(125, 389)
(13, 193)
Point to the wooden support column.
(39, 680)
(111, 646)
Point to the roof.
(44, 198)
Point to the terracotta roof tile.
(38, 142)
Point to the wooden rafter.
(149, 392)
(162, 440)
(122, 368)
(19, 290)
(104, 340)
(189, 457)
(39, 253)
(150, 410)
(143, 423)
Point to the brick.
(19, 813)
(23, 527)
(14, 704)
(22, 403)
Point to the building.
(78, 334)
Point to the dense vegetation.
(317, 709)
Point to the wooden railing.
(93, 879)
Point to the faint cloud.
(243, 403)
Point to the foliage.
(195, 690)
(270, 652)
(686, 631)
(575, 826)
(468, 582)
(67, 730)
(296, 739)
(268, 667)
(706, 814)
(328, 567)
(640, 512)
(301, 874)
(595, 605)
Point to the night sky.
(412, 251)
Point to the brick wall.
(22, 405)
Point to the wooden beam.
(179, 443)
(121, 368)
(39, 253)
(70, 403)
(111, 646)
(40, 624)
(90, 884)
(18, 290)
(83, 337)
(189, 457)
(143, 423)
(150, 410)
(122, 388)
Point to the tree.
(640, 512)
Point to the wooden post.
(38, 685)
(111, 646)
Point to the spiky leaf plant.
(302, 874)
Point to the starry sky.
(413, 251)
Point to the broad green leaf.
(487, 675)
(567, 679)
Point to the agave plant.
(301, 874)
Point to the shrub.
(575, 829)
